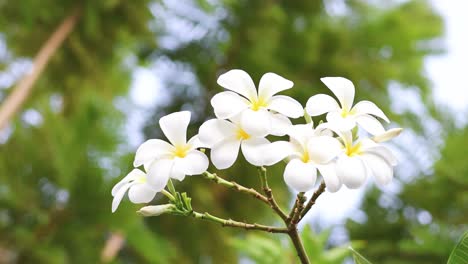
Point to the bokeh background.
(127, 63)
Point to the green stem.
(262, 172)
(312, 200)
(235, 186)
(232, 223)
(171, 188)
(168, 195)
(307, 117)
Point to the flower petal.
(194, 163)
(254, 150)
(301, 133)
(370, 124)
(256, 123)
(214, 131)
(380, 169)
(320, 104)
(368, 107)
(227, 104)
(351, 171)
(119, 195)
(133, 175)
(343, 90)
(387, 135)
(174, 127)
(286, 105)
(300, 176)
(194, 142)
(141, 193)
(225, 153)
(279, 124)
(150, 150)
(385, 153)
(342, 124)
(159, 172)
(240, 82)
(177, 173)
(260, 152)
(272, 83)
(328, 172)
(323, 149)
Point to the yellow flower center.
(305, 156)
(241, 134)
(181, 151)
(345, 113)
(141, 179)
(258, 104)
(353, 150)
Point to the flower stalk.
(262, 172)
(312, 200)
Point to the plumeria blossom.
(312, 150)
(225, 138)
(139, 191)
(344, 115)
(361, 159)
(261, 108)
(163, 161)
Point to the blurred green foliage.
(56, 176)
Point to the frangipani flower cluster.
(248, 120)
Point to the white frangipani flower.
(362, 159)
(243, 97)
(312, 150)
(226, 137)
(139, 191)
(387, 135)
(176, 160)
(346, 116)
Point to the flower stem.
(296, 239)
(312, 200)
(268, 193)
(168, 195)
(295, 213)
(235, 186)
(232, 223)
(307, 117)
(170, 186)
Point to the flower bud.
(155, 210)
(387, 135)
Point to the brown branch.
(269, 194)
(312, 200)
(297, 242)
(22, 90)
(295, 214)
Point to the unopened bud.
(155, 210)
(387, 135)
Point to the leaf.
(459, 254)
(358, 258)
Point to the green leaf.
(358, 258)
(459, 254)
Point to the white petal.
(240, 82)
(272, 83)
(343, 90)
(151, 150)
(300, 176)
(320, 104)
(337, 121)
(133, 175)
(279, 124)
(214, 131)
(351, 171)
(177, 173)
(260, 152)
(119, 195)
(159, 173)
(323, 149)
(328, 172)
(254, 150)
(174, 127)
(225, 153)
(194, 163)
(385, 153)
(228, 104)
(368, 107)
(370, 124)
(286, 106)
(301, 133)
(256, 123)
(387, 135)
(141, 193)
(194, 142)
(380, 169)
